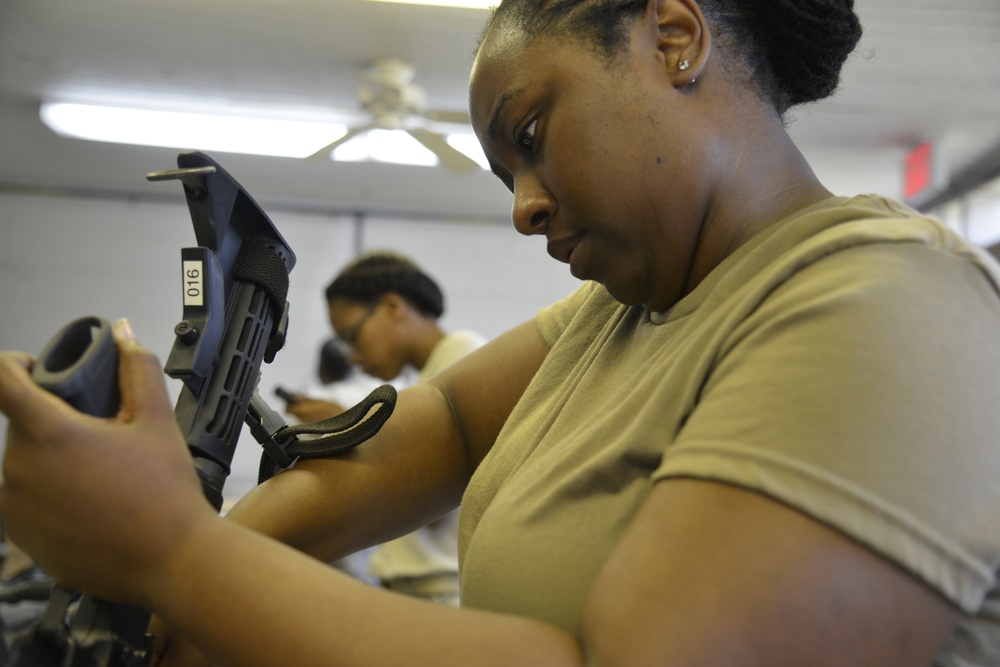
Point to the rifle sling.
(337, 434)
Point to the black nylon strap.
(343, 432)
(261, 264)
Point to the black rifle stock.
(235, 313)
(235, 318)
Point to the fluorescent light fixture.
(199, 131)
(378, 145)
(467, 4)
(469, 144)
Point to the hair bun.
(806, 43)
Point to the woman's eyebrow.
(506, 98)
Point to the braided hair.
(372, 274)
(792, 51)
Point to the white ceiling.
(926, 69)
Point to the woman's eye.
(527, 137)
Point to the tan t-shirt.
(845, 361)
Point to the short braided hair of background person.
(374, 273)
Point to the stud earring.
(683, 65)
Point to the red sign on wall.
(918, 170)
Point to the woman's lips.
(562, 249)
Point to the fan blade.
(326, 150)
(459, 117)
(451, 158)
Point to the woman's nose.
(533, 206)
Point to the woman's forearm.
(413, 471)
(401, 479)
(246, 600)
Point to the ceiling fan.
(388, 94)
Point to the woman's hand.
(98, 502)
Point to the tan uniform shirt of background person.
(845, 362)
(424, 563)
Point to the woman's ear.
(395, 305)
(685, 40)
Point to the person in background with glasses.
(385, 309)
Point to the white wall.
(62, 258)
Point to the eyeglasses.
(349, 335)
